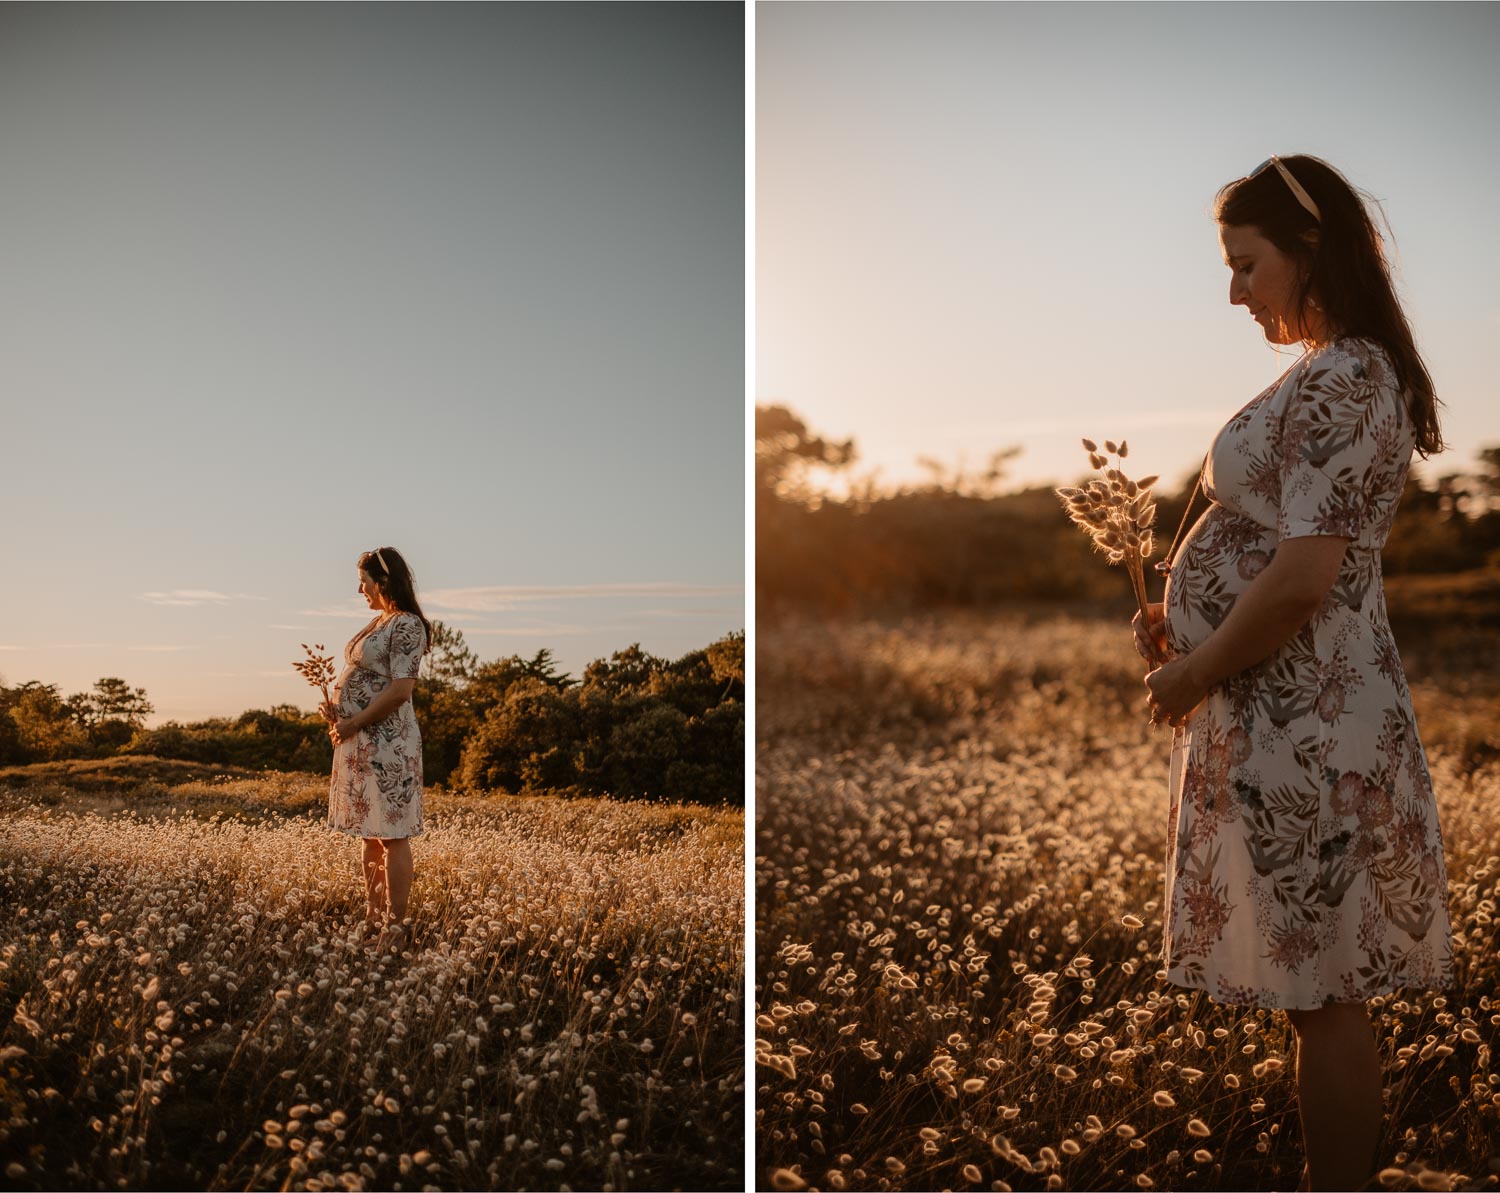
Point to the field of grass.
(961, 827)
(183, 1003)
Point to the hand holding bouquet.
(1117, 513)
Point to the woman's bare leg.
(375, 882)
(399, 871)
(1338, 1094)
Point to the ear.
(1312, 238)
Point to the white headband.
(1293, 185)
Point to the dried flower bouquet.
(317, 669)
(1117, 513)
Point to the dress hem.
(1383, 991)
(354, 832)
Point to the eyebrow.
(1230, 259)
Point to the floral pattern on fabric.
(1304, 856)
(376, 787)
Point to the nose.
(1239, 293)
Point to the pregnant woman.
(1304, 860)
(376, 789)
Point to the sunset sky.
(284, 283)
(981, 225)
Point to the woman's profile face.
(370, 591)
(1264, 280)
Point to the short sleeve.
(1346, 445)
(408, 644)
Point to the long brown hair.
(396, 582)
(1341, 259)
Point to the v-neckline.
(376, 624)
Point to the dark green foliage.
(112, 700)
(636, 726)
(955, 542)
(448, 659)
(43, 726)
(526, 741)
(280, 738)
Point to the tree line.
(632, 726)
(958, 539)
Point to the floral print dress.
(1304, 858)
(376, 789)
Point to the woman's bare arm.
(1275, 605)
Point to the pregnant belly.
(353, 691)
(1220, 556)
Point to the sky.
(285, 283)
(987, 225)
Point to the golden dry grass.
(961, 826)
(184, 1005)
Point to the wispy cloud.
(504, 597)
(286, 627)
(196, 596)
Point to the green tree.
(785, 449)
(446, 716)
(712, 766)
(114, 700)
(448, 659)
(111, 713)
(526, 743)
(12, 753)
(727, 659)
(47, 726)
(626, 672)
(642, 749)
(283, 737)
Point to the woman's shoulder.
(1350, 369)
(1359, 356)
(408, 622)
